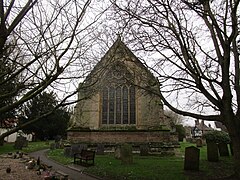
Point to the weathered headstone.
(126, 154)
(20, 142)
(67, 151)
(223, 149)
(77, 148)
(81, 147)
(199, 143)
(74, 149)
(212, 152)
(100, 149)
(144, 149)
(191, 161)
(117, 153)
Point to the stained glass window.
(125, 105)
(132, 105)
(111, 105)
(118, 105)
(105, 106)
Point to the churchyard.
(153, 167)
(143, 167)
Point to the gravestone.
(52, 146)
(100, 149)
(223, 149)
(212, 152)
(191, 161)
(81, 147)
(20, 142)
(117, 152)
(67, 151)
(126, 154)
(77, 148)
(199, 143)
(57, 141)
(74, 149)
(144, 150)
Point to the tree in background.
(47, 127)
(174, 118)
(176, 121)
(9, 91)
(45, 45)
(193, 47)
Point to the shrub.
(217, 137)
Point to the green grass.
(143, 167)
(58, 155)
(150, 167)
(32, 146)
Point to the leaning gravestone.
(191, 161)
(126, 154)
(223, 149)
(212, 152)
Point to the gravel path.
(20, 171)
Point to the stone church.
(118, 102)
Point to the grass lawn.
(152, 167)
(143, 167)
(32, 146)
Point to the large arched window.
(118, 105)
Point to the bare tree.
(175, 119)
(195, 54)
(45, 43)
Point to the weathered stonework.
(119, 137)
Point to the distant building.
(200, 129)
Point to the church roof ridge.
(111, 52)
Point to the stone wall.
(116, 137)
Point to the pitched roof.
(116, 53)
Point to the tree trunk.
(233, 128)
(236, 154)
